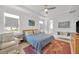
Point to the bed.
(39, 40)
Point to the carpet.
(57, 47)
(54, 47)
(29, 50)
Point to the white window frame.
(12, 16)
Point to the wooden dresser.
(75, 43)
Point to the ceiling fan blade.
(51, 8)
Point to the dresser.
(75, 43)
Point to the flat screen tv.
(31, 22)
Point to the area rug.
(29, 50)
(55, 47)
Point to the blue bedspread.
(38, 41)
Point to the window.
(11, 22)
(40, 22)
(41, 25)
(51, 24)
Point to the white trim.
(11, 15)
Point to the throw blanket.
(38, 41)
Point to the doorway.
(77, 26)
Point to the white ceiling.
(39, 9)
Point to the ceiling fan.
(46, 8)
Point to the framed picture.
(65, 24)
(31, 22)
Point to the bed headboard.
(30, 31)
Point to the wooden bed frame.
(30, 31)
